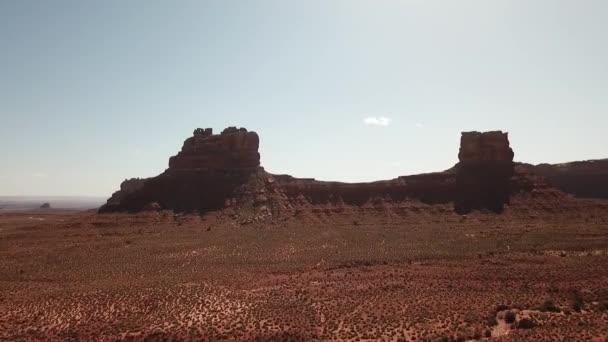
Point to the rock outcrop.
(220, 171)
(484, 171)
(128, 186)
(45, 206)
(232, 150)
(205, 172)
(481, 180)
(429, 188)
(585, 179)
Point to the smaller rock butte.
(213, 171)
(484, 171)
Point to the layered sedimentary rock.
(481, 179)
(216, 171)
(586, 179)
(205, 172)
(128, 186)
(484, 171)
(429, 188)
(232, 150)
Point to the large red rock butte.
(215, 171)
(205, 172)
(484, 171)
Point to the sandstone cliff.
(232, 150)
(205, 172)
(484, 171)
(220, 171)
(585, 179)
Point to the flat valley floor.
(414, 273)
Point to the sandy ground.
(416, 274)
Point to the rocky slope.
(587, 179)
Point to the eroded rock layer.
(219, 171)
(430, 188)
(484, 171)
(585, 179)
(232, 150)
(205, 172)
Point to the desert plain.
(415, 272)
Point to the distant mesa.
(45, 206)
(217, 171)
(586, 179)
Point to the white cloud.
(419, 124)
(40, 175)
(377, 121)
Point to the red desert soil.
(412, 272)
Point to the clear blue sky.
(92, 92)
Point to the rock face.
(222, 171)
(429, 188)
(128, 186)
(199, 178)
(484, 171)
(481, 179)
(232, 150)
(586, 179)
(153, 206)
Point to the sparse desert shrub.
(577, 300)
(576, 294)
(488, 333)
(492, 321)
(549, 306)
(510, 317)
(526, 323)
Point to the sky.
(93, 92)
